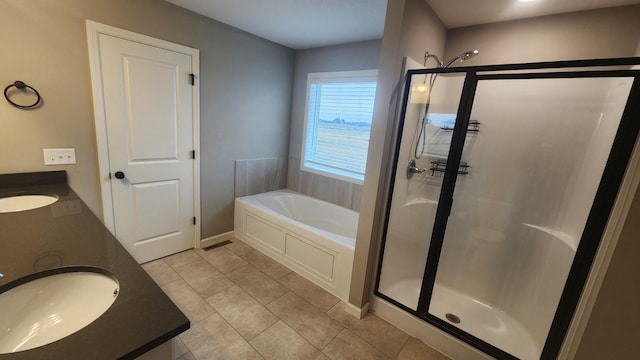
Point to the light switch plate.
(59, 156)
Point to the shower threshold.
(479, 319)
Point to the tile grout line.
(249, 264)
(252, 248)
(253, 298)
(333, 338)
(403, 345)
(198, 294)
(190, 327)
(248, 341)
(296, 331)
(289, 290)
(375, 347)
(219, 270)
(370, 344)
(256, 300)
(300, 295)
(192, 288)
(260, 252)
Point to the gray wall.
(245, 85)
(604, 33)
(612, 331)
(356, 56)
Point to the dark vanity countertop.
(67, 233)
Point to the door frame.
(94, 29)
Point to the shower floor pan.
(491, 325)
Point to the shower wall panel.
(341, 193)
(255, 176)
(613, 102)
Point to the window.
(338, 118)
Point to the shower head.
(468, 55)
(462, 57)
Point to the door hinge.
(194, 220)
(193, 79)
(193, 154)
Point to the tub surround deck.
(67, 233)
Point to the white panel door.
(148, 105)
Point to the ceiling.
(301, 24)
(298, 24)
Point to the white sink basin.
(50, 308)
(25, 202)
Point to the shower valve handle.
(413, 169)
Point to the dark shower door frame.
(598, 217)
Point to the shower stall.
(503, 180)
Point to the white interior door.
(149, 121)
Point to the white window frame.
(331, 77)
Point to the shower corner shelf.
(441, 166)
(474, 127)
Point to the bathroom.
(259, 108)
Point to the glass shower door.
(427, 130)
(519, 212)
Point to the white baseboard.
(216, 239)
(356, 311)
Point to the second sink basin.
(25, 202)
(52, 307)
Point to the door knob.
(119, 175)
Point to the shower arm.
(459, 57)
(462, 57)
(427, 56)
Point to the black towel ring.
(21, 85)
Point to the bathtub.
(312, 237)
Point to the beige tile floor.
(244, 305)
